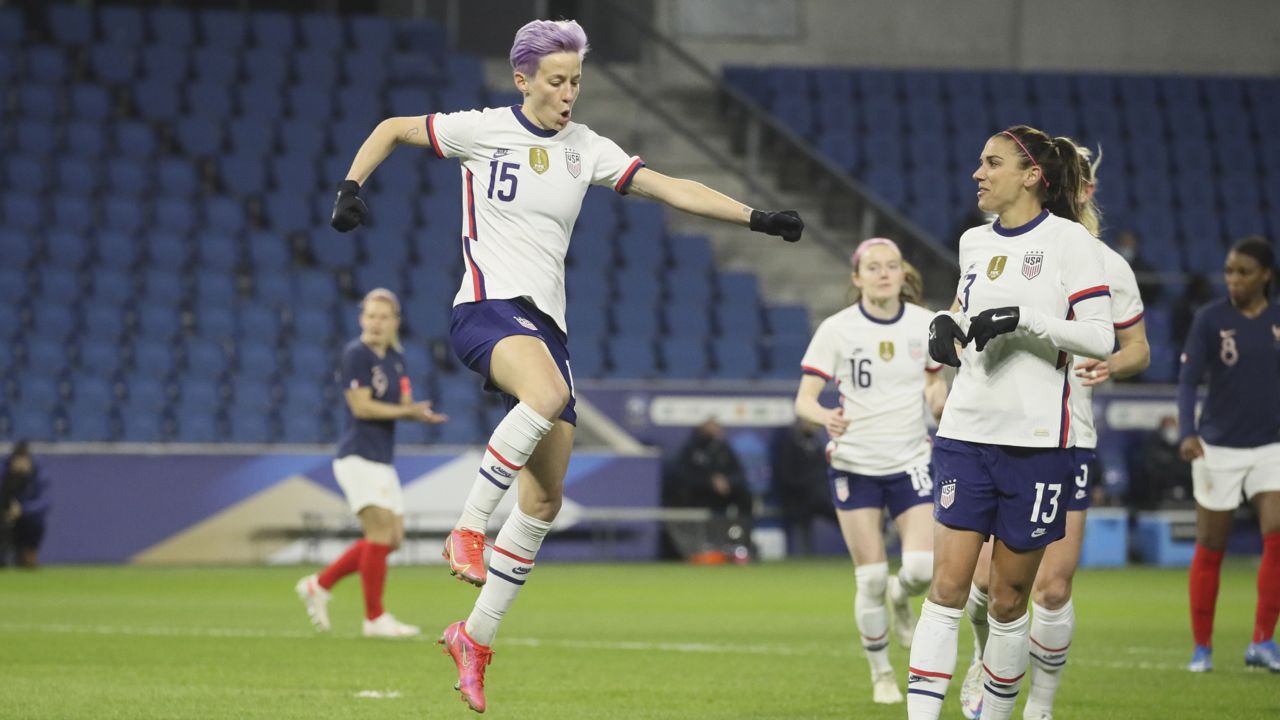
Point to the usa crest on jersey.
(572, 161)
(1031, 264)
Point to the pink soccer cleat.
(464, 549)
(471, 658)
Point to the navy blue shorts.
(899, 492)
(1087, 471)
(476, 327)
(1017, 494)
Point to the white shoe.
(971, 691)
(1030, 713)
(316, 599)
(884, 689)
(385, 625)
(904, 622)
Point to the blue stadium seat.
(176, 177)
(332, 251)
(632, 357)
(141, 427)
(273, 29)
(310, 101)
(783, 355)
(296, 172)
(90, 102)
(61, 286)
(159, 323)
(39, 102)
(11, 323)
(134, 139)
(257, 360)
(370, 33)
(218, 250)
(200, 136)
(47, 64)
(313, 324)
(301, 428)
(66, 249)
(74, 214)
(268, 251)
(216, 322)
(122, 24)
(267, 65)
(46, 356)
(78, 177)
(223, 28)
(104, 322)
(322, 31)
(12, 26)
(224, 215)
(684, 357)
(94, 391)
(129, 178)
(205, 359)
(99, 359)
(787, 320)
(210, 100)
(88, 423)
(588, 320)
(311, 361)
(35, 136)
(85, 140)
(587, 355)
(167, 65)
(53, 321)
(173, 216)
(153, 361)
(70, 24)
(122, 215)
(317, 67)
(18, 249)
(288, 212)
(303, 137)
(31, 423)
(215, 288)
(635, 319)
(173, 26)
(736, 357)
(157, 100)
(737, 320)
(259, 101)
(244, 173)
(26, 172)
(197, 427)
(272, 288)
(23, 212)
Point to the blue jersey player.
(1032, 294)
(1234, 450)
(377, 393)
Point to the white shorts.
(1226, 475)
(366, 483)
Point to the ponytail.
(1063, 188)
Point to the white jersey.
(1016, 391)
(1126, 311)
(879, 367)
(522, 189)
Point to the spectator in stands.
(24, 500)
(1128, 245)
(377, 393)
(1197, 292)
(1162, 475)
(799, 478)
(706, 473)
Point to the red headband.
(871, 242)
(1034, 164)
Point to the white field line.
(591, 645)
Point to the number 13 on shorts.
(1054, 491)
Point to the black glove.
(785, 224)
(348, 210)
(989, 323)
(944, 333)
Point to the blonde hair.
(912, 281)
(389, 298)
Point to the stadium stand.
(169, 270)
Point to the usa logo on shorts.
(524, 322)
(842, 488)
(948, 496)
(1031, 264)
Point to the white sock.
(1050, 639)
(509, 565)
(1004, 663)
(933, 660)
(976, 609)
(510, 446)
(872, 615)
(916, 572)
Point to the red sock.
(373, 575)
(1264, 624)
(1206, 566)
(348, 563)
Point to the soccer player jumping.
(525, 171)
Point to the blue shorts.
(1087, 471)
(478, 326)
(899, 492)
(1017, 494)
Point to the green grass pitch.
(583, 641)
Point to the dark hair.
(1257, 247)
(1062, 190)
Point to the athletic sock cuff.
(1045, 615)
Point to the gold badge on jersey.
(996, 266)
(538, 160)
(886, 350)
